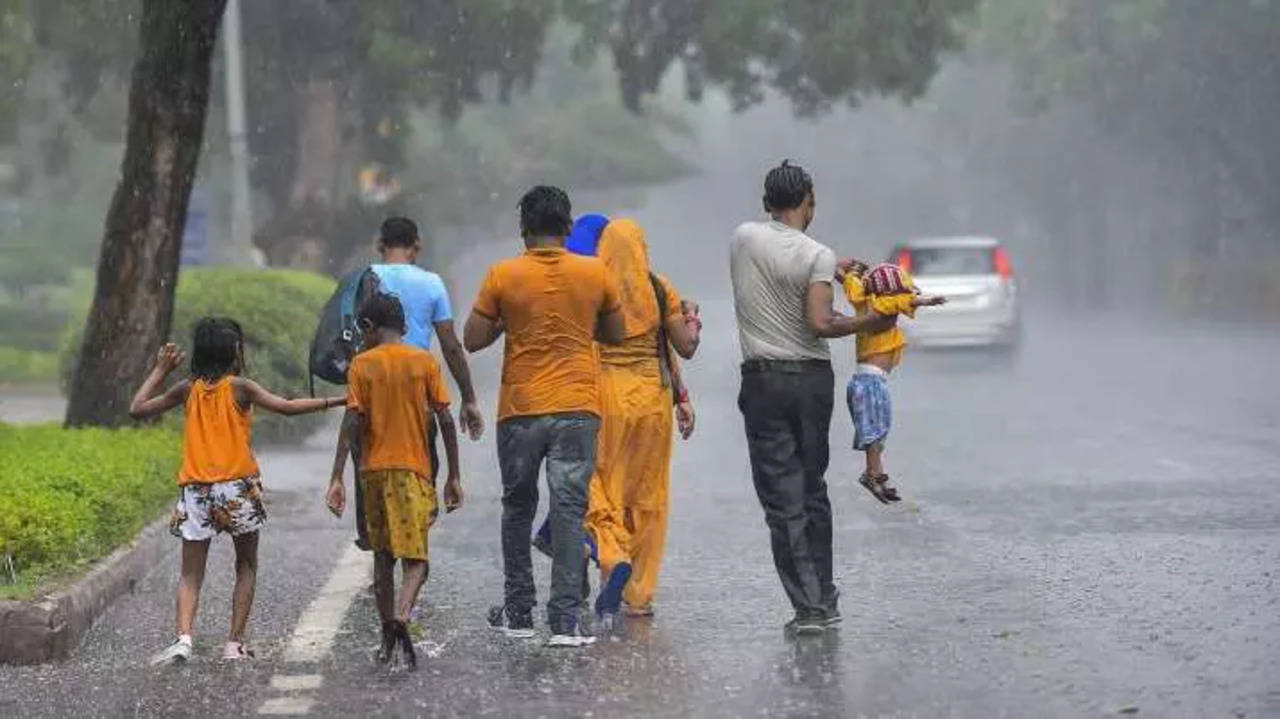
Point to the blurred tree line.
(333, 85)
(1147, 134)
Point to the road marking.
(287, 706)
(318, 626)
(315, 633)
(296, 682)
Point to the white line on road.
(314, 635)
(296, 682)
(287, 706)
(318, 627)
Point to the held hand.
(169, 358)
(686, 419)
(879, 323)
(336, 497)
(848, 267)
(471, 420)
(452, 494)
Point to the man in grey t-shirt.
(783, 295)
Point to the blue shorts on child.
(870, 407)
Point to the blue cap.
(585, 237)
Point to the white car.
(975, 274)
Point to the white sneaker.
(570, 636)
(235, 651)
(176, 653)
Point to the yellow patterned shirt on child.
(891, 341)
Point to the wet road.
(1076, 540)
(1090, 528)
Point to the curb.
(47, 629)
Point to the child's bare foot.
(872, 485)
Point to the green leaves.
(71, 496)
(278, 310)
(813, 53)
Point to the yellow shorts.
(399, 509)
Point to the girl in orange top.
(220, 490)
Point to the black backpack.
(338, 337)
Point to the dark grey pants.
(786, 407)
(567, 443)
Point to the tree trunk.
(138, 266)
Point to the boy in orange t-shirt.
(393, 390)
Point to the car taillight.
(1000, 258)
(903, 260)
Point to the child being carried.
(886, 290)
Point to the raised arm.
(684, 330)
(826, 322)
(149, 401)
(255, 394)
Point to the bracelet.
(683, 396)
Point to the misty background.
(1124, 151)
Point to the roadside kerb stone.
(48, 628)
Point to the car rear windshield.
(952, 261)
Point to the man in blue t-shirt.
(426, 309)
(425, 301)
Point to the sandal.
(890, 493)
(873, 486)
(234, 651)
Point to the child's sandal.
(890, 493)
(874, 487)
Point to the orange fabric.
(628, 496)
(626, 256)
(394, 387)
(549, 302)
(217, 439)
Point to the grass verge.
(70, 497)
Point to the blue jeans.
(567, 443)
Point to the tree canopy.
(813, 53)
(333, 86)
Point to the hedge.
(278, 310)
(68, 497)
(22, 366)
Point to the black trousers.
(362, 529)
(786, 407)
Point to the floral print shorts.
(203, 510)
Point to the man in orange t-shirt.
(553, 306)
